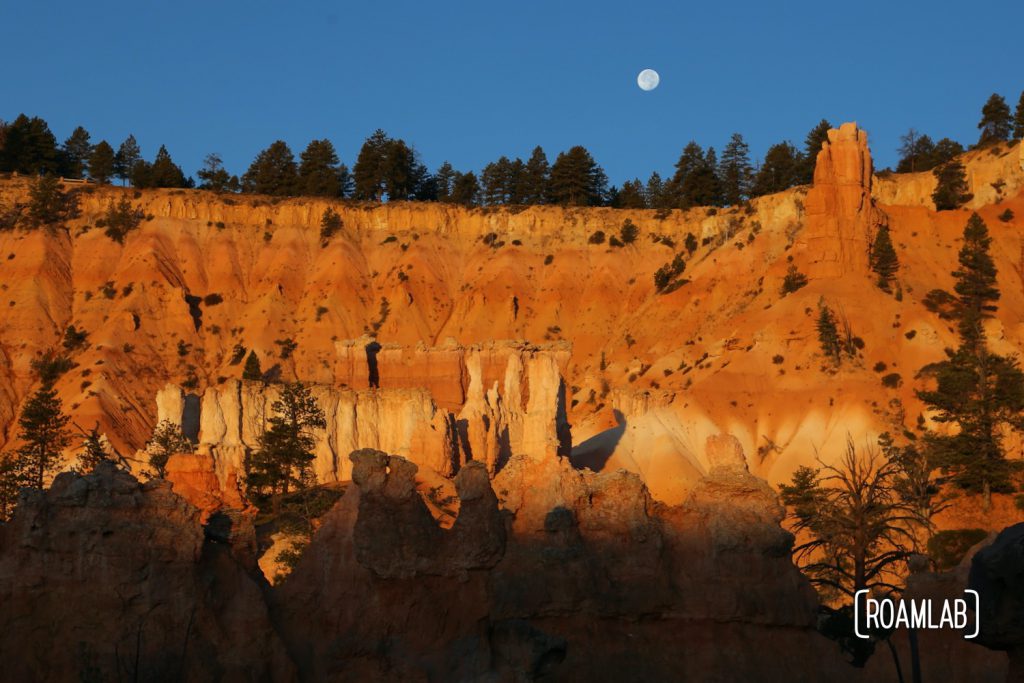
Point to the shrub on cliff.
(121, 218)
(628, 232)
(666, 278)
(793, 280)
(330, 224)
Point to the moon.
(648, 79)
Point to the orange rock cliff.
(433, 289)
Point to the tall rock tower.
(841, 217)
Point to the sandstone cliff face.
(101, 576)
(526, 414)
(993, 174)
(724, 352)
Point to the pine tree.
(128, 155)
(273, 172)
(576, 179)
(167, 439)
(75, 152)
(368, 173)
(501, 182)
(780, 170)
(213, 175)
(536, 174)
(252, 370)
(400, 171)
(951, 187)
(735, 171)
(423, 188)
(444, 178)
(828, 334)
(285, 450)
(1018, 119)
(102, 162)
(945, 150)
(631, 196)
(979, 391)
(916, 151)
(319, 170)
(656, 194)
(883, 259)
(702, 187)
(690, 161)
(94, 451)
(44, 436)
(812, 145)
(465, 189)
(29, 147)
(995, 124)
(975, 282)
(163, 172)
(47, 202)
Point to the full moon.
(648, 79)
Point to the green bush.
(629, 232)
(120, 219)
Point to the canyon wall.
(648, 374)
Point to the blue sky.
(470, 81)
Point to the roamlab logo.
(887, 614)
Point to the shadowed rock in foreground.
(591, 581)
(548, 573)
(104, 578)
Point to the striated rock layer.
(522, 410)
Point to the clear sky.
(470, 81)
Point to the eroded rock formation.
(592, 573)
(104, 578)
(841, 215)
(522, 411)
